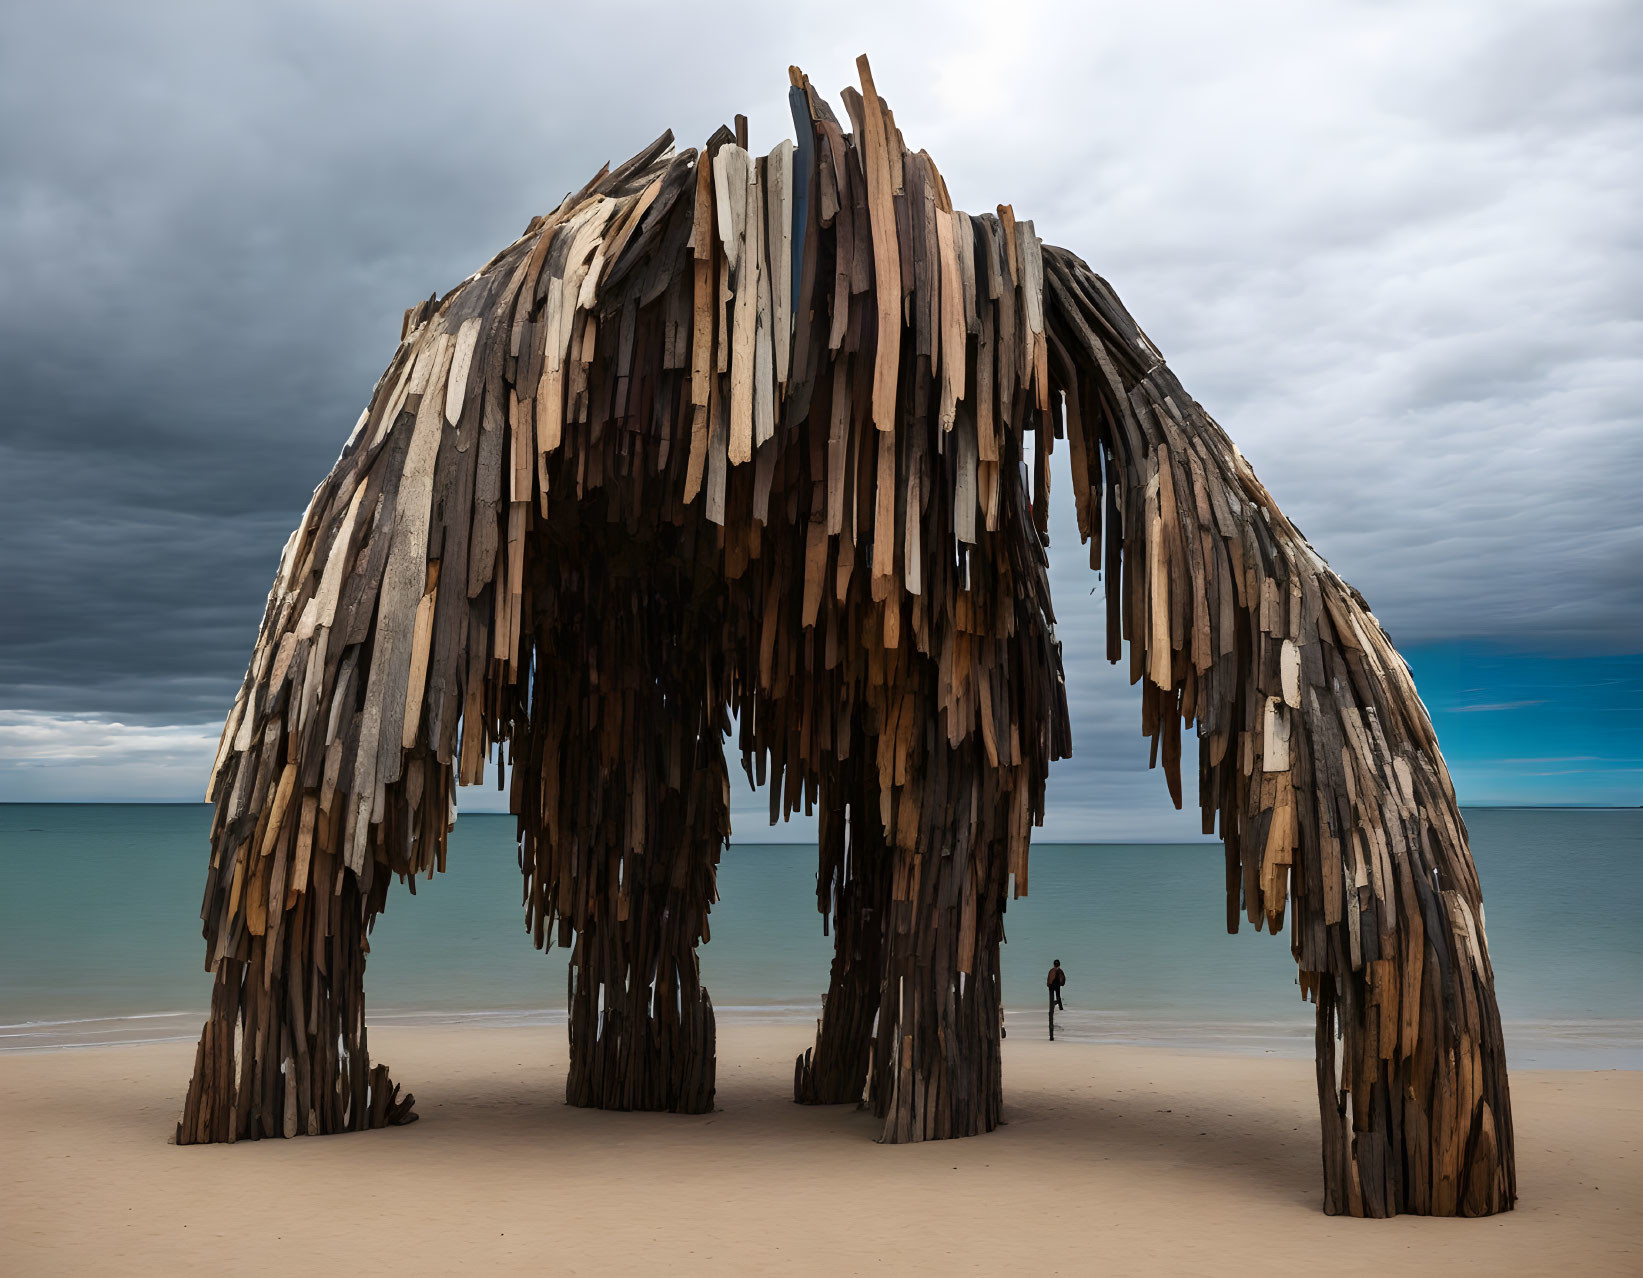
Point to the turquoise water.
(100, 936)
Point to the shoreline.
(1571, 1045)
(1168, 1161)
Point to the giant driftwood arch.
(725, 433)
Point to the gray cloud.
(1392, 247)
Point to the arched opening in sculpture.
(734, 436)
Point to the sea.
(100, 939)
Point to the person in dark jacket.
(1054, 981)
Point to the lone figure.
(1054, 981)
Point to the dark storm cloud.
(1391, 247)
(211, 218)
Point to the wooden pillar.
(937, 1062)
(622, 801)
(641, 1024)
(853, 886)
(937, 1057)
(1413, 1098)
(283, 1051)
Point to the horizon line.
(205, 803)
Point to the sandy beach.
(1116, 1160)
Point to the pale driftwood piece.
(703, 305)
(779, 218)
(539, 546)
(456, 386)
(760, 282)
(953, 357)
(886, 250)
(738, 194)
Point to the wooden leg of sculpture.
(283, 1052)
(641, 1024)
(623, 810)
(937, 1064)
(1416, 1114)
(853, 889)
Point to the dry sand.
(1114, 1160)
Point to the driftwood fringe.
(735, 439)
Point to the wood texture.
(729, 439)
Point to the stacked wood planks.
(764, 441)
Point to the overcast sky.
(1394, 248)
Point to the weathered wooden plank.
(886, 250)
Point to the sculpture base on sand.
(284, 1052)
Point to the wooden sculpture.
(732, 434)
